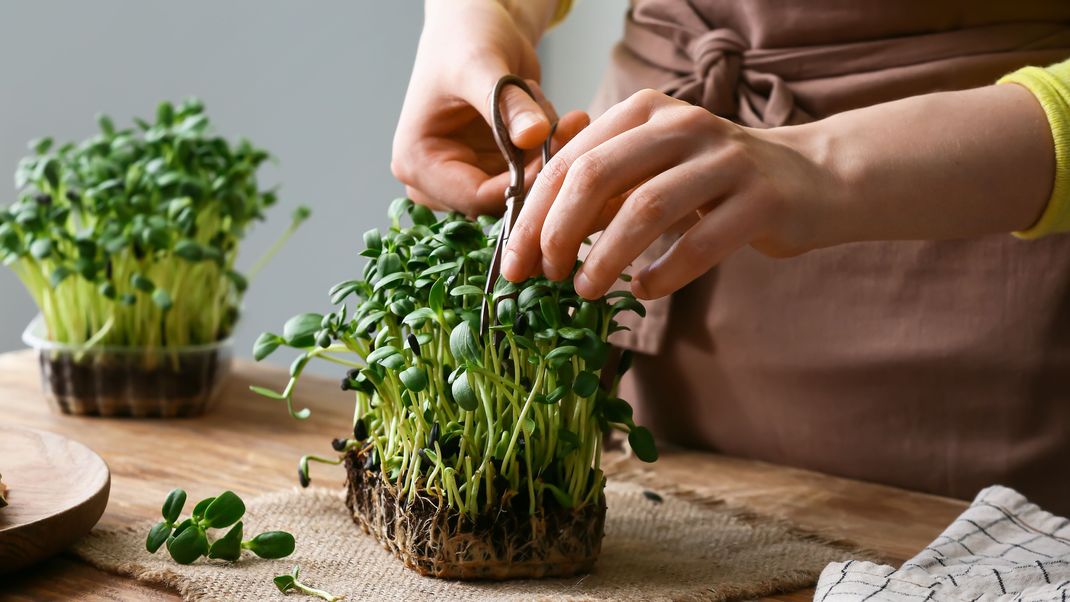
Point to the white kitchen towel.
(1003, 547)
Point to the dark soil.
(503, 544)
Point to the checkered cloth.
(1001, 548)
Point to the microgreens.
(288, 583)
(516, 415)
(130, 237)
(187, 540)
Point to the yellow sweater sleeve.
(1051, 86)
(563, 7)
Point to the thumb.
(526, 120)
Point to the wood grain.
(57, 490)
(250, 444)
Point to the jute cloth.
(685, 547)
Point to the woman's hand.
(652, 165)
(937, 166)
(444, 151)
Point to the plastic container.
(129, 381)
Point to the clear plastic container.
(129, 381)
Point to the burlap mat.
(685, 547)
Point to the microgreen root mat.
(683, 547)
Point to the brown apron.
(938, 366)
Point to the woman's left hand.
(653, 165)
(928, 167)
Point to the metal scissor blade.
(513, 205)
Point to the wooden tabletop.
(250, 445)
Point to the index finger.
(523, 250)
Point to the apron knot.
(717, 57)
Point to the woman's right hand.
(444, 151)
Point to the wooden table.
(250, 444)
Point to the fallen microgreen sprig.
(187, 540)
(288, 583)
(478, 421)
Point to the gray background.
(319, 84)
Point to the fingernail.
(550, 270)
(522, 122)
(639, 286)
(583, 285)
(511, 265)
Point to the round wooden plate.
(57, 490)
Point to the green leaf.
(265, 345)
(642, 443)
(530, 296)
(466, 289)
(504, 288)
(58, 276)
(368, 321)
(416, 318)
(574, 334)
(49, 171)
(382, 353)
(190, 250)
(172, 505)
(142, 283)
(389, 263)
(398, 208)
(165, 113)
(551, 311)
(162, 299)
(438, 269)
(422, 216)
(506, 312)
(198, 510)
(463, 344)
(460, 230)
(389, 280)
(555, 395)
(225, 510)
(157, 536)
(284, 582)
(563, 352)
(41, 248)
(228, 547)
(414, 379)
(629, 304)
(189, 545)
(393, 362)
(437, 296)
(107, 290)
(586, 316)
(271, 544)
(617, 410)
(586, 384)
(40, 146)
(593, 351)
(300, 330)
(463, 393)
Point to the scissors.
(514, 193)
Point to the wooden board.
(57, 490)
(249, 444)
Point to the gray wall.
(319, 84)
